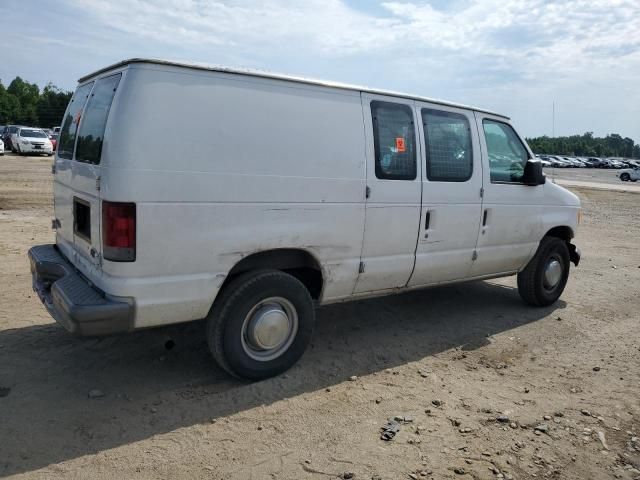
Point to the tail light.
(119, 231)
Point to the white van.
(185, 192)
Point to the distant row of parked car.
(587, 162)
(21, 139)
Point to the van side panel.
(221, 166)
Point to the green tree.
(51, 106)
(23, 103)
(612, 145)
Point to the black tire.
(531, 281)
(625, 177)
(225, 322)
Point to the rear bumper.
(73, 302)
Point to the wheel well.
(565, 233)
(298, 263)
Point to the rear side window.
(394, 141)
(71, 119)
(94, 120)
(507, 155)
(447, 138)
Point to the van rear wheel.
(261, 324)
(543, 280)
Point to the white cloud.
(331, 26)
(491, 52)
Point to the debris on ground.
(389, 430)
(603, 440)
(403, 418)
(95, 393)
(542, 428)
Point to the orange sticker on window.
(400, 145)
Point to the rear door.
(78, 167)
(451, 194)
(393, 184)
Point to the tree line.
(586, 145)
(23, 103)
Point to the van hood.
(558, 195)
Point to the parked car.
(8, 131)
(574, 162)
(558, 162)
(629, 174)
(606, 163)
(615, 163)
(598, 162)
(544, 162)
(267, 215)
(629, 162)
(591, 162)
(1, 147)
(32, 141)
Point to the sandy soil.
(452, 360)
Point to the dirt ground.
(450, 360)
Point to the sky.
(516, 57)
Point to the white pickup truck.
(185, 192)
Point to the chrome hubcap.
(552, 273)
(269, 329)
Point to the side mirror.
(533, 174)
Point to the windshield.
(32, 133)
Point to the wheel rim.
(552, 272)
(269, 329)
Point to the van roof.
(279, 76)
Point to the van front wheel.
(261, 324)
(543, 280)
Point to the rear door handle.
(484, 218)
(427, 221)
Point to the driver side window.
(507, 154)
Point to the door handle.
(427, 221)
(484, 218)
